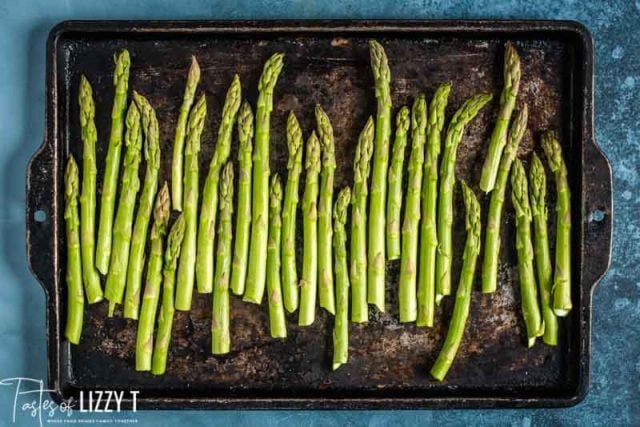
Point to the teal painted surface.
(615, 390)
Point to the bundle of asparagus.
(264, 253)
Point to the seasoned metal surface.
(328, 64)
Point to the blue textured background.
(614, 398)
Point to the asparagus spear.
(492, 238)
(145, 206)
(257, 273)
(221, 340)
(455, 131)
(528, 290)
(181, 127)
(277, 321)
(165, 319)
(341, 323)
(410, 231)
(325, 204)
(308, 282)
(129, 186)
(465, 286)
(507, 104)
(75, 293)
(538, 183)
(112, 163)
(89, 134)
(562, 279)
(144, 337)
(243, 217)
(186, 266)
(428, 235)
(294, 167)
(394, 200)
(209, 206)
(358, 267)
(377, 218)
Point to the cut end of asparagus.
(439, 298)
(438, 374)
(560, 312)
(336, 365)
(531, 341)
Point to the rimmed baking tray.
(328, 62)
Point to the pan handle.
(41, 213)
(597, 215)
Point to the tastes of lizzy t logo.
(30, 400)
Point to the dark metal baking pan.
(328, 62)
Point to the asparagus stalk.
(165, 319)
(455, 131)
(144, 337)
(428, 235)
(492, 238)
(528, 290)
(145, 206)
(394, 200)
(112, 163)
(186, 266)
(538, 183)
(181, 128)
(257, 273)
(243, 217)
(562, 279)
(341, 323)
(89, 135)
(209, 206)
(75, 293)
(358, 267)
(409, 261)
(325, 204)
(221, 339)
(377, 218)
(122, 228)
(277, 321)
(507, 104)
(309, 280)
(465, 286)
(294, 167)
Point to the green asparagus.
(112, 163)
(145, 206)
(455, 131)
(75, 293)
(528, 289)
(325, 204)
(410, 226)
(538, 183)
(165, 319)
(209, 206)
(341, 323)
(181, 128)
(144, 337)
(507, 104)
(221, 339)
(277, 321)
(562, 280)
(187, 262)
(377, 216)
(257, 273)
(309, 280)
(89, 135)
(492, 238)
(358, 266)
(394, 200)
(465, 286)
(428, 235)
(129, 186)
(294, 167)
(243, 216)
